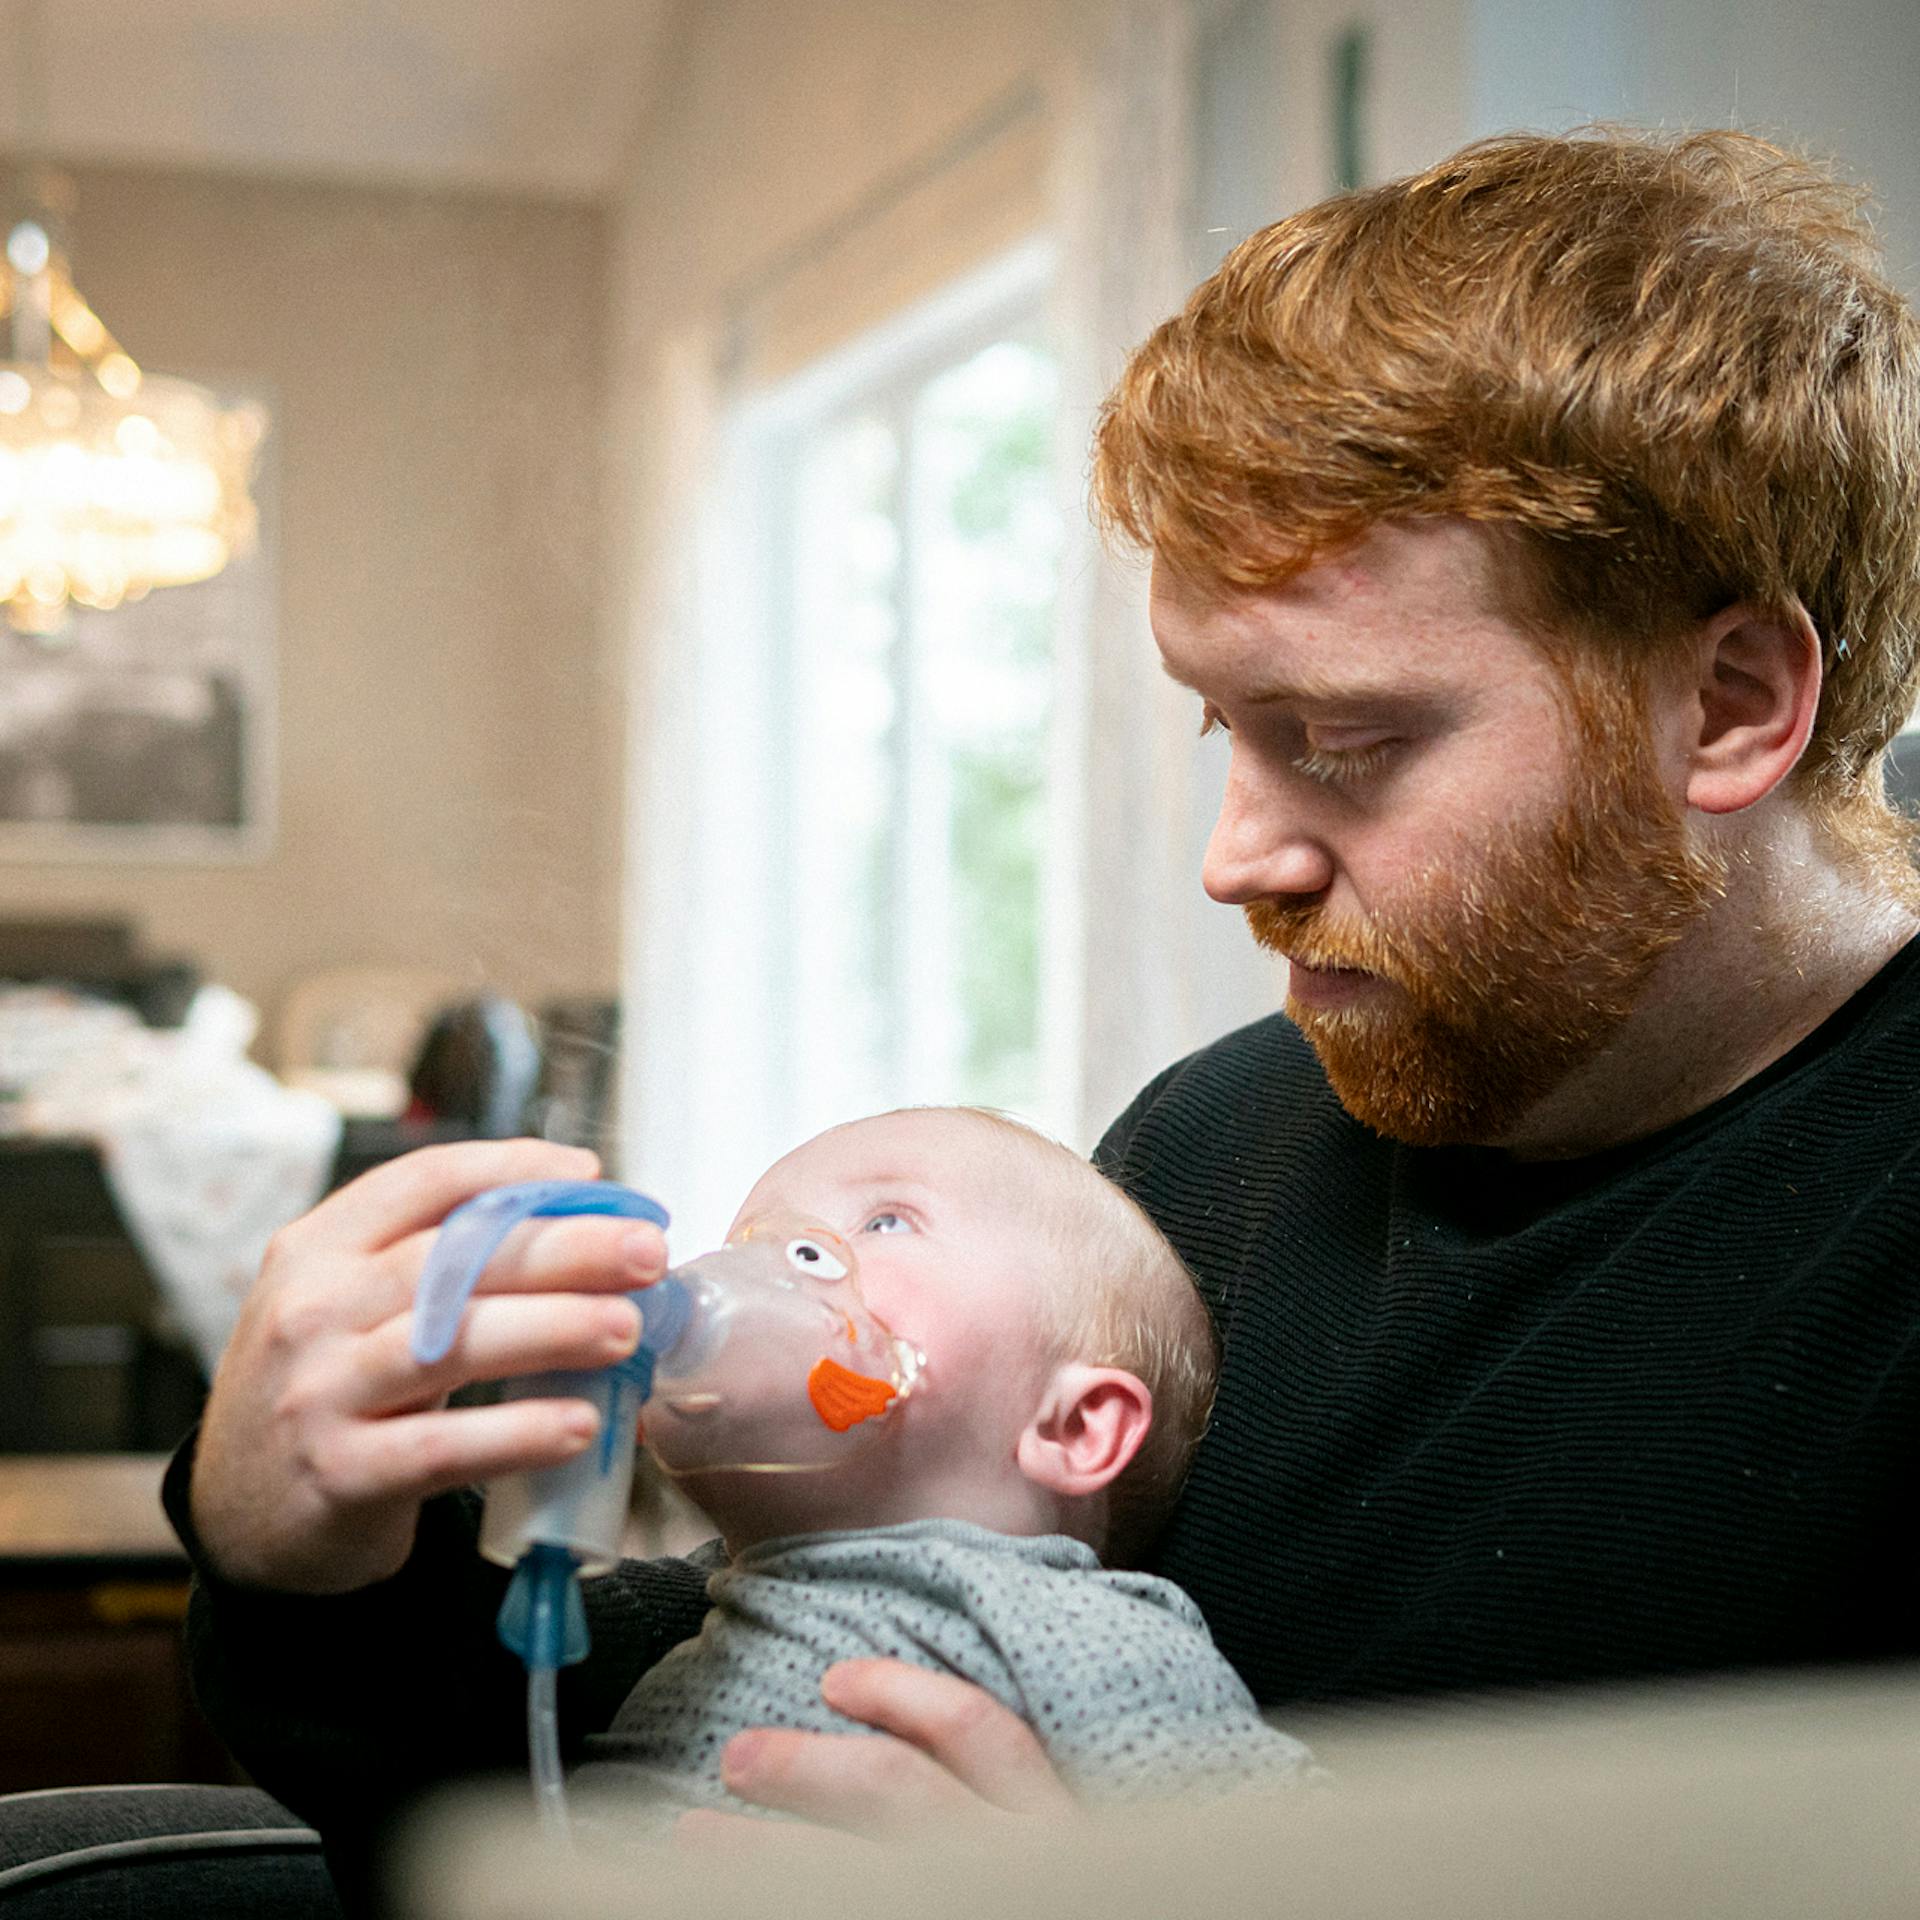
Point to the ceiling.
(495, 94)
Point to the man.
(1546, 531)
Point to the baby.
(1069, 1371)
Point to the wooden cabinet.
(86, 1365)
(93, 1590)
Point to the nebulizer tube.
(552, 1571)
(757, 1357)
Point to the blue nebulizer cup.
(758, 1357)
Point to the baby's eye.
(888, 1223)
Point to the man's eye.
(1341, 766)
(887, 1223)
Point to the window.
(905, 509)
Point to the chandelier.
(112, 481)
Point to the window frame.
(765, 434)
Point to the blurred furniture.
(89, 1362)
(76, 950)
(86, 1364)
(384, 1041)
(387, 1042)
(354, 1033)
(93, 1587)
(1768, 1798)
(174, 1852)
(1763, 1798)
(579, 1045)
(479, 1064)
(99, 956)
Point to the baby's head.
(1069, 1361)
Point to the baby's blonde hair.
(1126, 1300)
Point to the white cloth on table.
(206, 1154)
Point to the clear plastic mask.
(781, 1366)
(758, 1357)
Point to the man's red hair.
(1670, 369)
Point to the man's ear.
(1090, 1423)
(1755, 692)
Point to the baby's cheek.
(999, 1377)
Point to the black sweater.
(1481, 1424)
(1492, 1424)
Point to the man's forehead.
(1377, 619)
(1269, 660)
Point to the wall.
(447, 740)
(771, 127)
(1838, 79)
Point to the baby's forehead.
(942, 1152)
(926, 1143)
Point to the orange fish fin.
(843, 1398)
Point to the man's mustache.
(1305, 935)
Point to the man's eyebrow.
(1309, 691)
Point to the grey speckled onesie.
(1114, 1671)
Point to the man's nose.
(1261, 850)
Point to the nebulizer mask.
(758, 1357)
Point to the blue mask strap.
(472, 1235)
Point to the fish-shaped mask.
(781, 1367)
(760, 1356)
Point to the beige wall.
(447, 741)
(771, 122)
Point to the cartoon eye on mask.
(815, 1261)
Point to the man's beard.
(1513, 965)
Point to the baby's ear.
(1090, 1423)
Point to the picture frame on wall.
(147, 732)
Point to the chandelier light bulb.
(112, 481)
(28, 248)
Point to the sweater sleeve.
(345, 1706)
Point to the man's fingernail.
(624, 1327)
(580, 1425)
(644, 1255)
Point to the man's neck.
(1804, 925)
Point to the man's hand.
(952, 1753)
(322, 1434)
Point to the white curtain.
(1145, 967)
(1141, 967)
(694, 1048)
